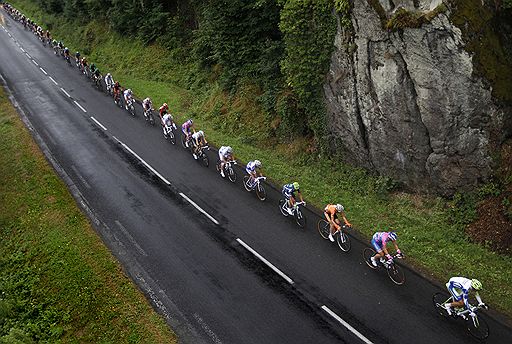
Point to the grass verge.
(430, 232)
(58, 282)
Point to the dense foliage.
(282, 47)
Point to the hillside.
(301, 84)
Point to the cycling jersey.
(459, 287)
(185, 127)
(289, 191)
(127, 94)
(109, 80)
(330, 209)
(224, 155)
(167, 119)
(251, 167)
(379, 240)
(146, 104)
(197, 136)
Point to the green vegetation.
(58, 282)
(432, 230)
(403, 18)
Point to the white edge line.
(42, 70)
(66, 93)
(145, 163)
(30, 57)
(55, 82)
(199, 208)
(269, 264)
(131, 239)
(347, 325)
(80, 106)
(98, 123)
(37, 64)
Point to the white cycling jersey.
(109, 80)
(197, 135)
(127, 94)
(146, 104)
(223, 153)
(167, 119)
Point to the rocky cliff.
(408, 102)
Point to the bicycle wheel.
(172, 138)
(151, 119)
(323, 228)
(260, 192)
(396, 274)
(231, 174)
(439, 299)
(205, 160)
(368, 253)
(299, 218)
(282, 207)
(246, 184)
(343, 241)
(183, 141)
(478, 327)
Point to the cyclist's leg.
(378, 249)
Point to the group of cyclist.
(459, 287)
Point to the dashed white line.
(131, 239)
(142, 160)
(42, 70)
(80, 106)
(30, 57)
(269, 264)
(55, 82)
(98, 123)
(66, 93)
(199, 208)
(347, 325)
(35, 63)
(22, 49)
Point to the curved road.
(220, 266)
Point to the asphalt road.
(192, 259)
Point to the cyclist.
(225, 155)
(77, 57)
(96, 75)
(163, 110)
(289, 194)
(67, 56)
(188, 129)
(330, 213)
(117, 91)
(109, 81)
(198, 141)
(379, 242)
(92, 69)
(147, 105)
(459, 288)
(253, 169)
(167, 120)
(84, 65)
(128, 95)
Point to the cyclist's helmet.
(129, 90)
(117, 83)
(229, 150)
(476, 284)
(200, 133)
(77, 54)
(192, 122)
(339, 208)
(108, 75)
(296, 185)
(257, 163)
(392, 236)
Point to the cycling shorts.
(377, 245)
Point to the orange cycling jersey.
(330, 209)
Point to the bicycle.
(229, 171)
(202, 156)
(169, 133)
(342, 238)
(256, 185)
(130, 108)
(395, 272)
(477, 326)
(295, 211)
(148, 116)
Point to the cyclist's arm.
(478, 298)
(345, 219)
(466, 299)
(300, 195)
(396, 246)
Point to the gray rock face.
(407, 105)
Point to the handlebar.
(260, 178)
